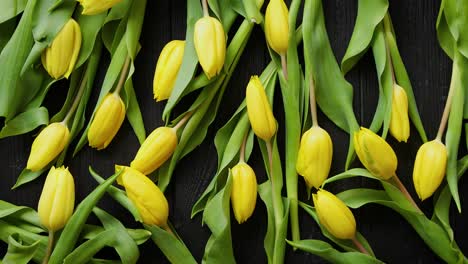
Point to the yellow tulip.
(315, 156)
(145, 195)
(244, 191)
(375, 154)
(48, 145)
(259, 110)
(107, 121)
(93, 7)
(167, 68)
(277, 26)
(60, 57)
(57, 199)
(399, 122)
(429, 168)
(210, 44)
(334, 215)
(155, 150)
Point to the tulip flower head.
(334, 215)
(399, 122)
(57, 199)
(375, 154)
(145, 195)
(244, 191)
(429, 168)
(167, 68)
(210, 45)
(155, 150)
(93, 7)
(60, 57)
(315, 156)
(48, 145)
(107, 121)
(277, 26)
(259, 110)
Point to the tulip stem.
(50, 246)
(387, 34)
(123, 76)
(313, 102)
(405, 192)
(169, 230)
(275, 198)
(77, 99)
(448, 104)
(359, 246)
(182, 121)
(284, 66)
(205, 8)
(242, 149)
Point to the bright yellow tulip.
(429, 168)
(155, 150)
(334, 215)
(57, 199)
(107, 121)
(210, 45)
(277, 26)
(244, 191)
(168, 66)
(315, 156)
(93, 7)
(399, 122)
(375, 154)
(259, 110)
(145, 195)
(60, 57)
(48, 145)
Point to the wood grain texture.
(392, 239)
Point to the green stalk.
(291, 94)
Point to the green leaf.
(140, 236)
(433, 234)
(19, 253)
(70, 233)
(217, 216)
(175, 251)
(7, 28)
(84, 252)
(133, 111)
(189, 61)
(14, 55)
(123, 242)
(28, 176)
(25, 122)
(333, 93)
(370, 14)
(11, 8)
(115, 24)
(327, 252)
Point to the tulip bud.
(244, 191)
(399, 122)
(167, 68)
(259, 110)
(315, 156)
(157, 148)
(277, 26)
(48, 145)
(375, 154)
(93, 7)
(145, 195)
(107, 121)
(210, 45)
(429, 168)
(60, 57)
(334, 215)
(57, 199)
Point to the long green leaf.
(175, 251)
(11, 8)
(18, 253)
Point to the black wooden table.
(392, 239)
